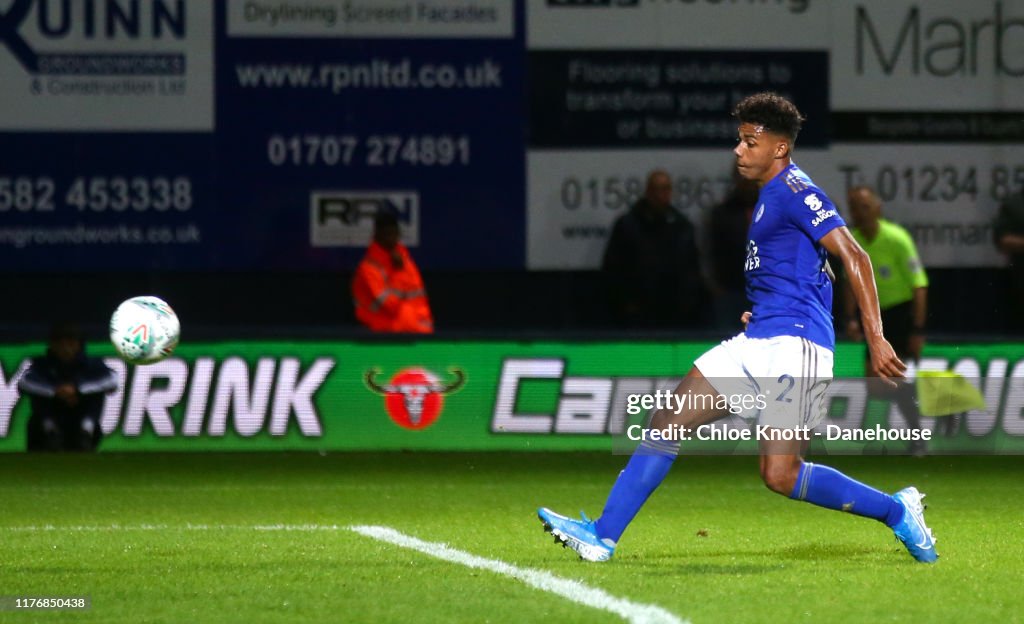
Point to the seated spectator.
(387, 288)
(651, 263)
(66, 389)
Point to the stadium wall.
(507, 135)
(196, 148)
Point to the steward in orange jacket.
(387, 288)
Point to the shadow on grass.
(734, 569)
(827, 552)
(682, 565)
(757, 561)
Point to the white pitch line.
(94, 528)
(572, 590)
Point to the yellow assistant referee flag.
(942, 393)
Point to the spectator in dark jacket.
(651, 263)
(66, 389)
(727, 242)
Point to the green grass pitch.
(202, 538)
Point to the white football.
(144, 330)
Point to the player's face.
(757, 152)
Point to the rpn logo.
(345, 218)
(86, 21)
(414, 397)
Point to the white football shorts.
(780, 381)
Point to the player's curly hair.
(772, 111)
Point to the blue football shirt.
(785, 267)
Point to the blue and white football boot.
(580, 535)
(911, 529)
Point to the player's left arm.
(857, 266)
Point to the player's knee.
(780, 477)
(660, 419)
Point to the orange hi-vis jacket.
(390, 299)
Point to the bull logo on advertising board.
(414, 397)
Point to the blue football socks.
(641, 476)
(829, 488)
(817, 484)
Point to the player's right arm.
(857, 265)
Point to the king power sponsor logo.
(597, 405)
(215, 398)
